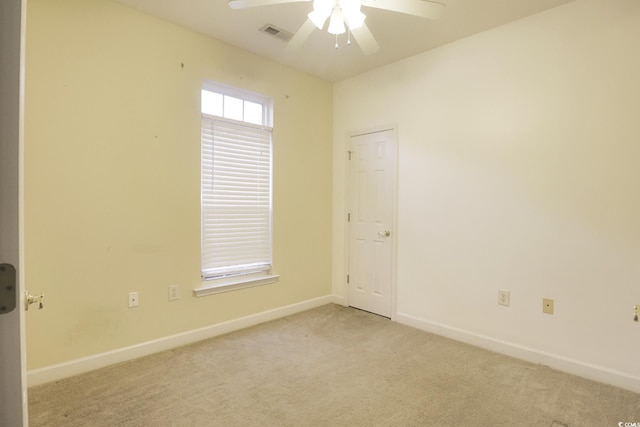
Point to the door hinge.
(8, 288)
(347, 279)
(349, 154)
(349, 217)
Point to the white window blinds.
(236, 198)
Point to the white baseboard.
(86, 364)
(574, 367)
(339, 300)
(90, 363)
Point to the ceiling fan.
(345, 16)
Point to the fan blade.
(243, 4)
(365, 40)
(423, 8)
(301, 35)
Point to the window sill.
(212, 287)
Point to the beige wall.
(112, 150)
(519, 169)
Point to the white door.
(371, 241)
(13, 407)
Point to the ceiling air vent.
(276, 32)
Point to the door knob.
(385, 233)
(33, 299)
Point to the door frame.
(13, 405)
(394, 128)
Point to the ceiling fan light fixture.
(321, 11)
(318, 19)
(352, 14)
(355, 18)
(336, 23)
(346, 13)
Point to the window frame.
(245, 95)
(214, 285)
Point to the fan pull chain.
(349, 37)
(336, 41)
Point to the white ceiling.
(399, 35)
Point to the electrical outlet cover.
(134, 299)
(174, 293)
(504, 297)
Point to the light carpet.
(330, 366)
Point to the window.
(236, 241)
